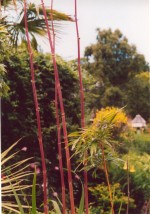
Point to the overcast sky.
(130, 16)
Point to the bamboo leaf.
(15, 165)
(7, 159)
(7, 207)
(34, 194)
(17, 199)
(56, 207)
(16, 189)
(16, 177)
(19, 172)
(9, 149)
(120, 207)
(81, 206)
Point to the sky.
(131, 17)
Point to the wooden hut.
(138, 122)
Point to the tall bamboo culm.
(60, 153)
(62, 113)
(58, 127)
(37, 111)
(82, 106)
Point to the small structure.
(138, 122)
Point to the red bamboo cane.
(52, 21)
(60, 153)
(37, 110)
(62, 113)
(58, 128)
(82, 106)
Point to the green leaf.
(56, 207)
(34, 194)
(81, 206)
(17, 199)
(93, 149)
(120, 207)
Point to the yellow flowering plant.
(95, 144)
(107, 123)
(115, 115)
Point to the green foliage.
(14, 181)
(18, 111)
(112, 94)
(14, 187)
(81, 205)
(3, 86)
(139, 173)
(91, 90)
(139, 85)
(36, 22)
(34, 194)
(97, 135)
(140, 143)
(112, 78)
(130, 140)
(114, 59)
(3, 42)
(114, 63)
(56, 208)
(102, 202)
(21, 210)
(142, 173)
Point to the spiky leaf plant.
(97, 141)
(99, 134)
(14, 177)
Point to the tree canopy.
(114, 64)
(114, 59)
(138, 95)
(18, 116)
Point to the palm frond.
(36, 22)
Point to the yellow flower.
(132, 169)
(125, 166)
(119, 118)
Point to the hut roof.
(138, 121)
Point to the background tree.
(112, 62)
(20, 101)
(138, 95)
(18, 117)
(113, 93)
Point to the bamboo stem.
(62, 113)
(52, 21)
(60, 154)
(37, 110)
(82, 107)
(107, 179)
(58, 128)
